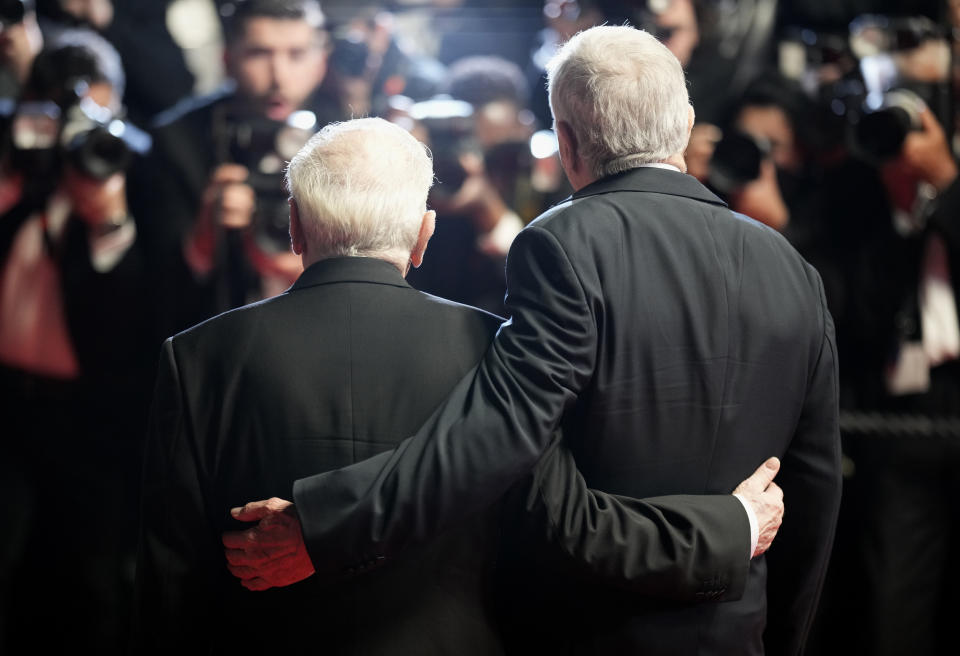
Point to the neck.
(403, 266)
(678, 161)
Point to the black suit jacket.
(678, 345)
(338, 368)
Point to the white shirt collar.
(660, 165)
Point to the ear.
(427, 227)
(569, 148)
(691, 119)
(297, 241)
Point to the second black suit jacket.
(678, 345)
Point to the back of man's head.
(360, 188)
(623, 94)
(246, 10)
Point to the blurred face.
(681, 21)
(19, 44)
(98, 13)
(277, 63)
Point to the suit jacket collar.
(651, 179)
(350, 269)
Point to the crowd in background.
(141, 191)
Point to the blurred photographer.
(479, 135)
(893, 209)
(74, 369)
(212, 192)
(762, 162)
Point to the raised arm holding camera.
(73, 361)
(212, 192)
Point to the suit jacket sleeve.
(683, 547)
(811, 482)
(485, 437)
(178, 556)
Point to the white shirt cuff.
(754, 525)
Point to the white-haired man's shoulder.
(233, 316)
(446, 305)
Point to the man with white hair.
(339, 367)
(343, 365)
(677, 344)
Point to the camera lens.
(99, 154)
(735, 162)
(12, 11)
(880, 134)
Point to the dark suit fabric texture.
(677, 345)
(338, 368)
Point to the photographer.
(73, 364)
(892, 213)
(481, 155)
(764, 160)
(211, 193)
(897, 319)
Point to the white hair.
(361, 189)
(624, 95)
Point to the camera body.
(84, 135)
(867, 81)
(97, 144)
(450, 125)
(13, 12)
(264, 147)
(736, 160)
(880, 133)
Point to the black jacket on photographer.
(166, 193)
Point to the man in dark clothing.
(75, 370)
(210, 195)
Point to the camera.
(85, 135)
(450, 124)
(264, 146)
(13, 11)
(97, 144)
(736, 161)
(879, 134)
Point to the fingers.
(275, 572)
(929, 122)
(242, 551)
(759, 479)
(258, 538)
(256, 584)
(776, 492)
(767, 471)
(237, 202)
(251, 512)
(257, 510)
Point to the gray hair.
(624, 96)
(361, 189)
